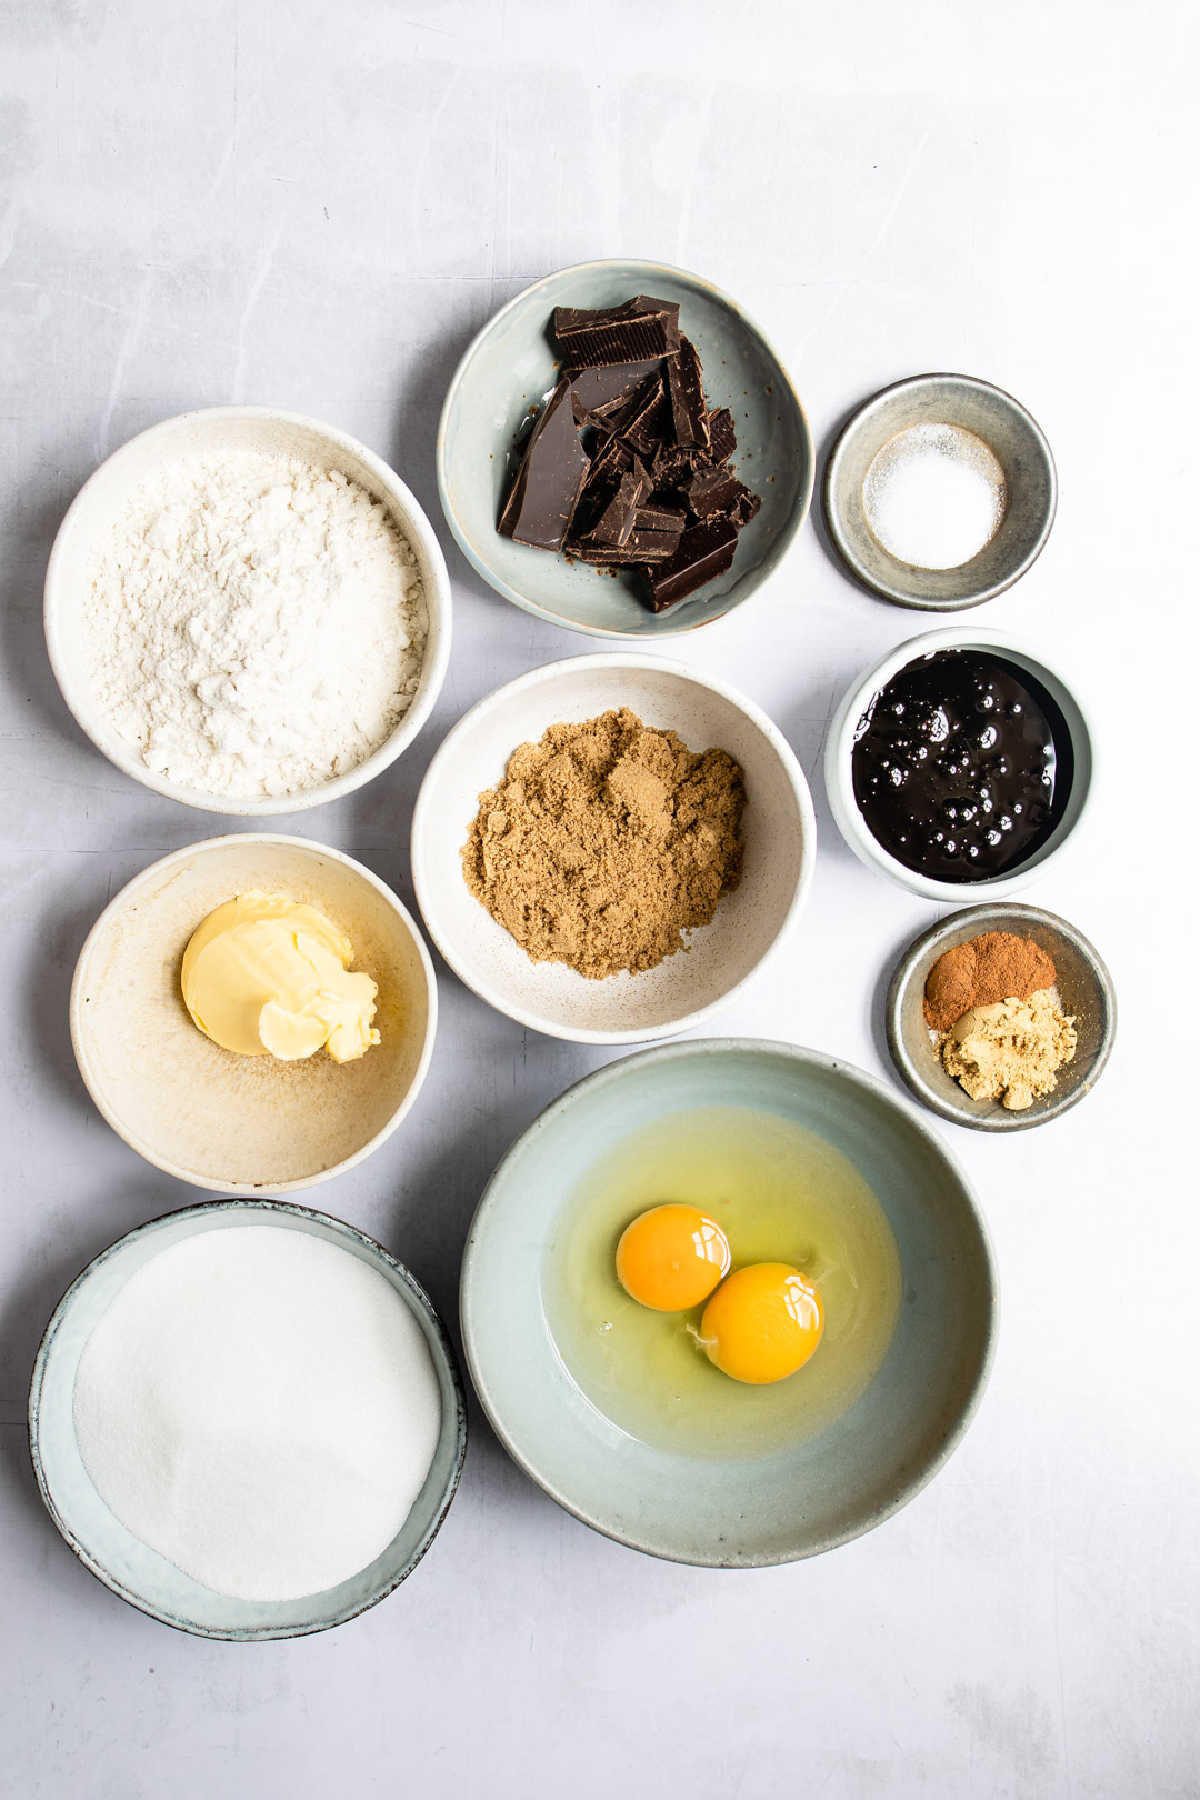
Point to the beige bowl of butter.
(247, 1123)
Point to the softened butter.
(266, 975)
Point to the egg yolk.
(762, 1324)
(672, 1257)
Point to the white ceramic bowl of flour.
(233, 616)
(246, 1124)
(779, 837)
(339, 1445)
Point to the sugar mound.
(260, 1407)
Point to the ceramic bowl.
(1084, 986)
(215, 432)
(839, 746)
(778, 828)
(733, 1512)
(246, 1124)
(511, 366)
(129, 1567)
(1019, 446)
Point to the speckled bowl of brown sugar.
(751, 919)
(1085, 991)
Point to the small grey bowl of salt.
(940, 492)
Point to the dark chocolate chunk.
(642, 547)
(614, 525)
(596, 393)
(704, 551)
(746, 507)
(640, 423)
(723, 438)
(671, 465)
(689, 413)
(545, 492)
(610, 462)
(712, 491)
(660, 515)
(591, 338)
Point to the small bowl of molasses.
(959, 765)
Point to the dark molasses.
(962, 765)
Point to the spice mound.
(996, 965)
(606, 842)
(1010, 1051)
(1002, 1033)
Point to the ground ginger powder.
(605, 842)
(1011, 1050)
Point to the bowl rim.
(912, 1485)
(616, 661)
(249, 1190)
(834, 516)
(839, 744)
(414, 523)
(991, 918)
(376, 1253)
(770, 561)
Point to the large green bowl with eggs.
(755, 1505)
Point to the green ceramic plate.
(511, 367)
(742, 1511)
(129, 1567)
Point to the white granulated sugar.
(256, 624)
(934, 496)
(261, 1408)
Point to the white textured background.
(315, 205)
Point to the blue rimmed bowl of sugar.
(237, 1417)
(940, 492)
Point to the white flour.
(935, 495)
(261, 1408)
(256, 624)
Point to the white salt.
(260, 1407)
(934, 496)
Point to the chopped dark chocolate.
(723, 438)
(639, 423)
(595, 393)
(642, 547)
(689, 414)
(704, 551)
(660, 515)
(545, 492)
(591, 338)
(610, 461)
(627, 467)
(613, 526)
(711, 491)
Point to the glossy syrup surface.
(962, 765)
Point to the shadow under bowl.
(1085, 989)
(511, 367)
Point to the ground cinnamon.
(996, 965)
(605, 842)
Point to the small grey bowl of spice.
(940, 492)
(1001, 1017)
